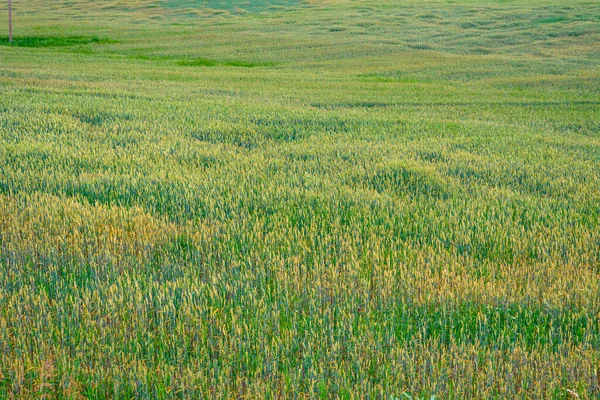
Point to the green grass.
(366, 199)
(207, 62)
(231, 5)
(51, 41)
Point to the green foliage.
(52, 41)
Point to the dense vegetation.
(348, 199)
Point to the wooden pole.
(10, 21)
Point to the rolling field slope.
(284, 199)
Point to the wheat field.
(383, 199)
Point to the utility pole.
(9, 21)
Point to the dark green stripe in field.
(53, 41)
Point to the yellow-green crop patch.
(334, 199)
(232, 6)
